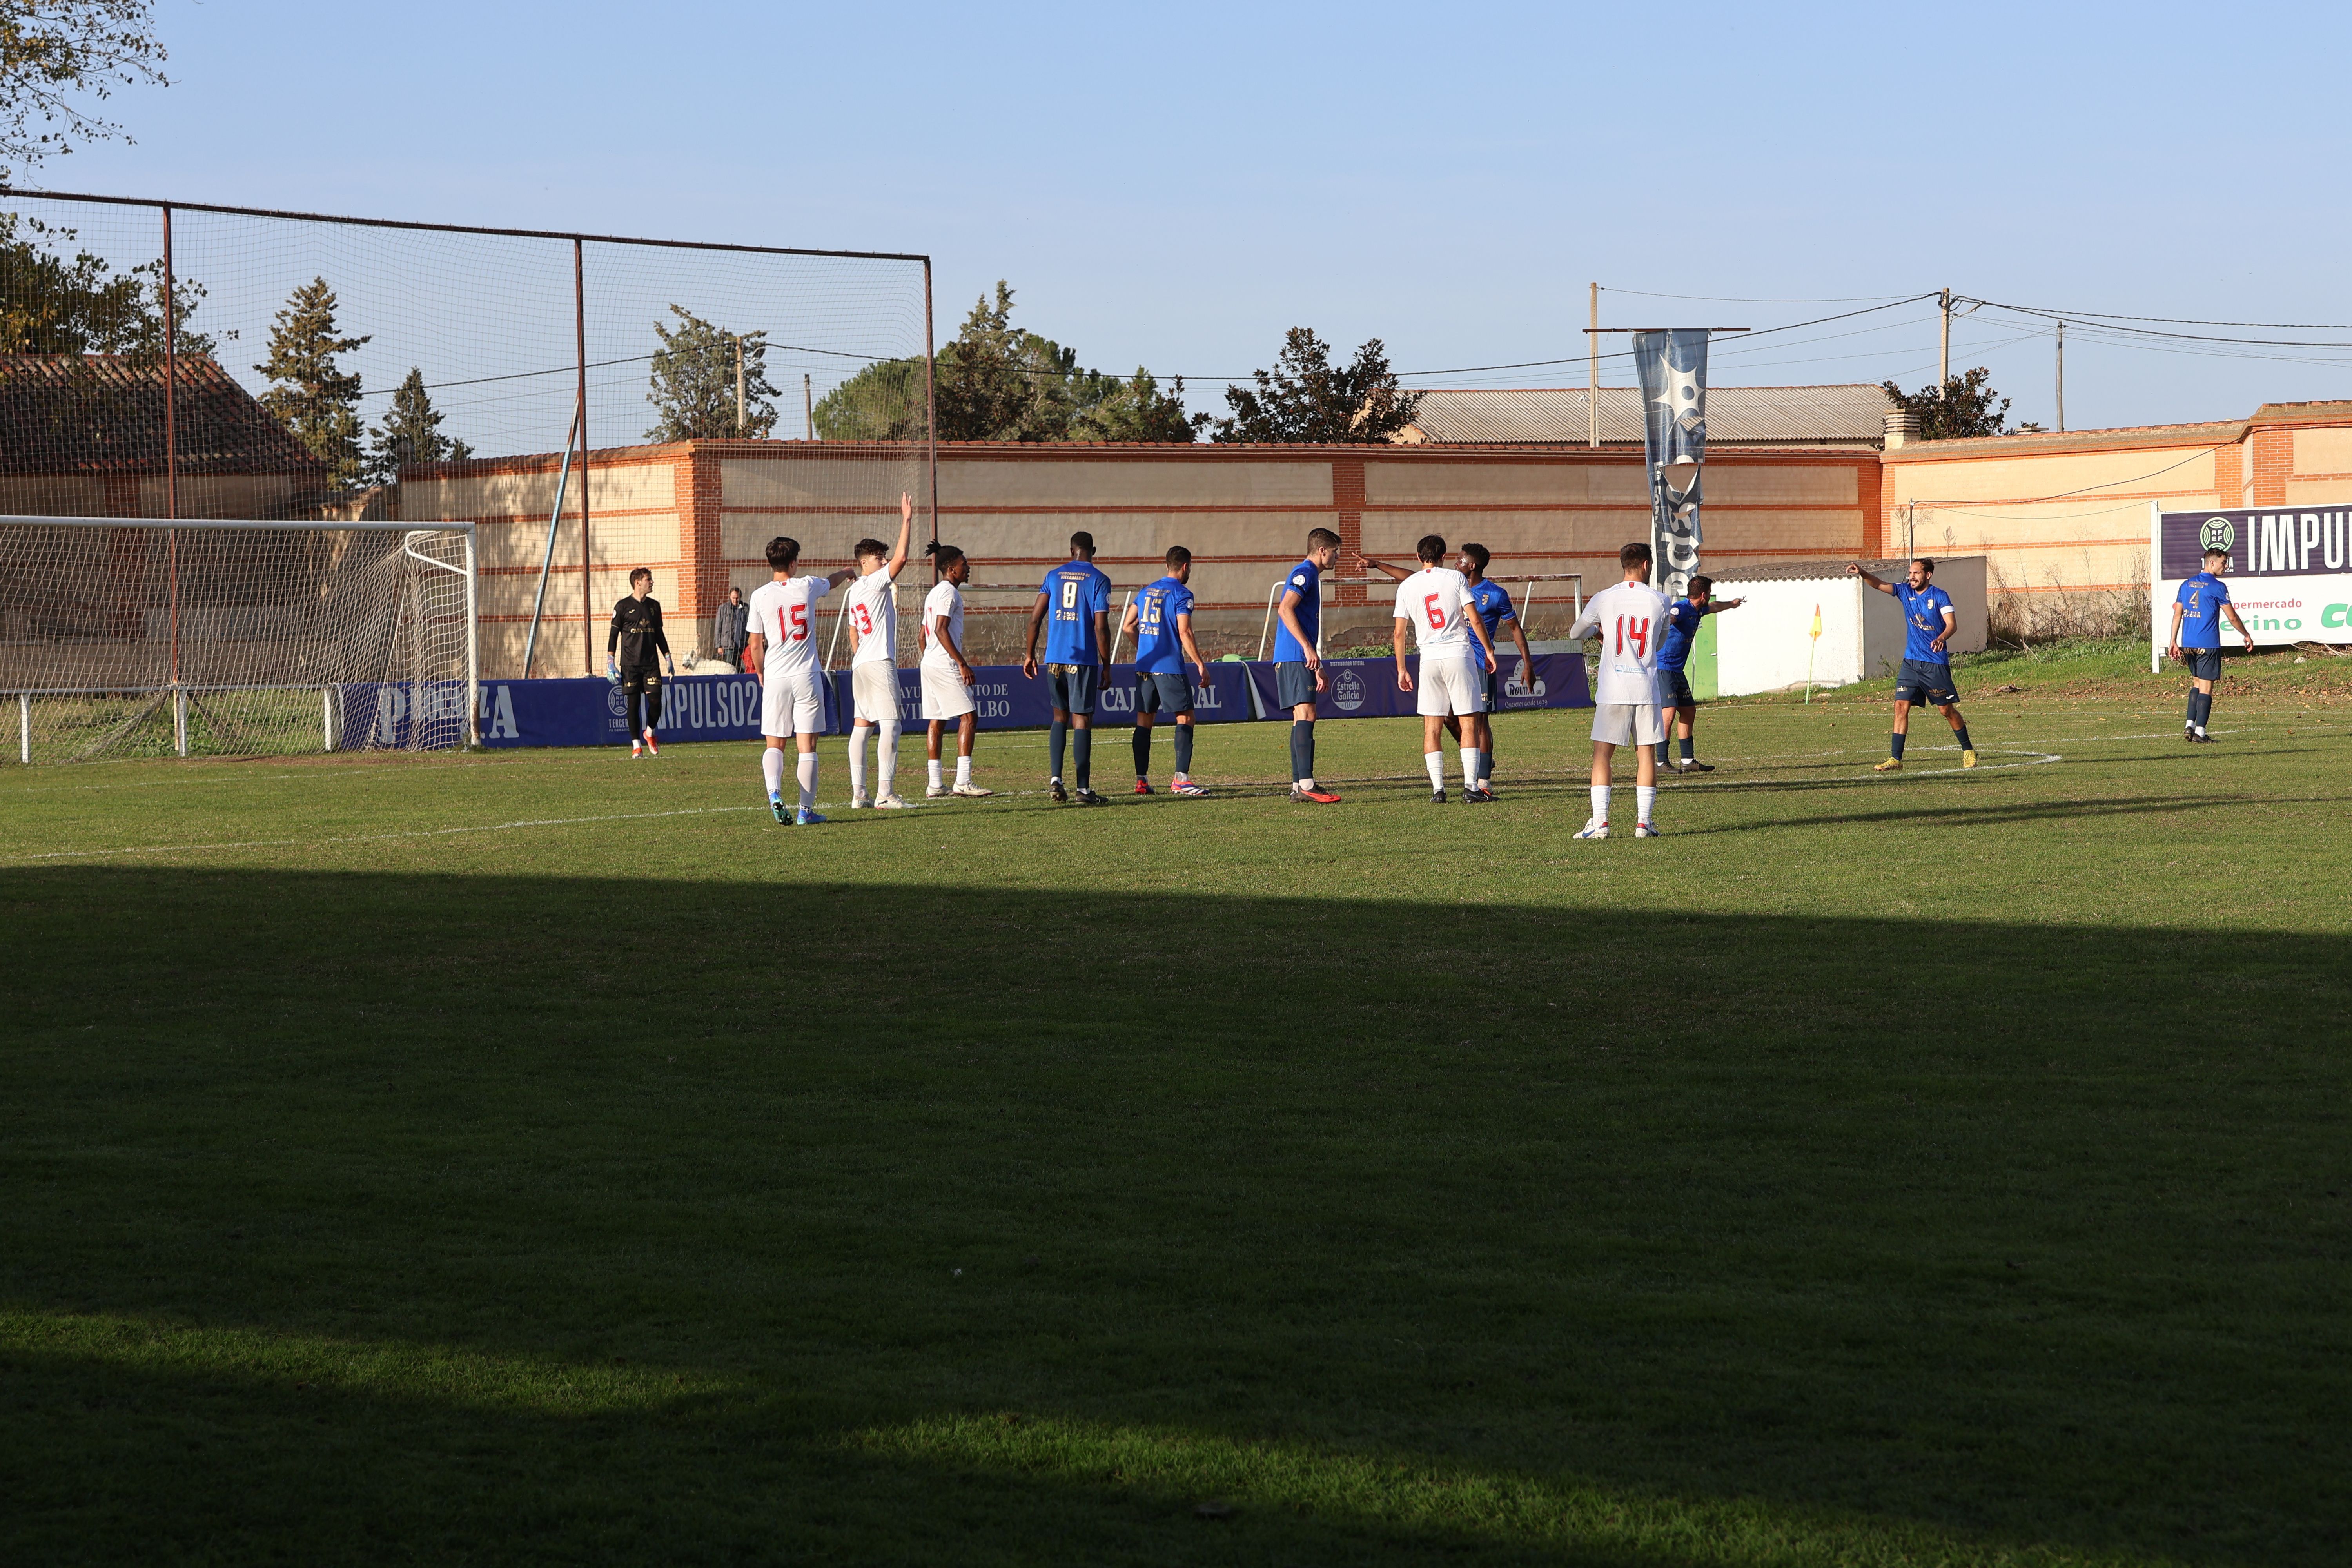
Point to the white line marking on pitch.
(378, 838)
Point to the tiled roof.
(1810, 570)
(97, 414)
(1849, 414)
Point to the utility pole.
(808, 403)
(1593, 392)
(2062, 375)
(739, 383)
(1943, 359)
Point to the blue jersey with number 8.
(1073, 593)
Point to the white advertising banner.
(2289, 571)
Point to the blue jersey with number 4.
(2201, 600)
(1923, 617)
(1306, 580)
(1157, 650)
(1074, 592)
(1682, 625)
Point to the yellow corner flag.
(1816, 624)
(1810, 648)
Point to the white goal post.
(140, 636)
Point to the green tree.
(1135, 410)
(1305, 400)
(1963, 406)
(52, 51)
(52, 305)
(410, 432)
(884, 402)
(693, 386)
(310, 395)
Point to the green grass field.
(543, 1157)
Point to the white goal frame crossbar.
(470, 571)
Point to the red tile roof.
(99, 414)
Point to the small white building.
(1766, 644)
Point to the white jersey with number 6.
(1631, 618)
(873, 610)
(785, 614)
(1436, 600)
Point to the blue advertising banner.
(1671, 366)
(592, 713)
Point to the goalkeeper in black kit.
(636, 636)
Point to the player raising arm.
(2197, 612)
(1436, 603)
(782, 655)
(1299, 664)
(1076, 600)
(946, 673)
(1161, 619)
(1631, 618)
(873, 610)
(638, 634)
(1930, 622)
(1674, 688)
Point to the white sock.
(1474, 767)
(933, 764)
(963, 770)
(1180, 776)
(1435, 762)
(1307, 783)
(857, 733)
(1600, 803)
(885, 757)
(772, 768)
(807, 771)
(1644, 797)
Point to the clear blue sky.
(1174, 186)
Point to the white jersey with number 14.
(1631, 618)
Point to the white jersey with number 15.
(785, 614)
(1631, 618)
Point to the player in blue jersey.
(1930, 622)
(2197, 612)
(1074, 601)
(1683, 617)
(1297, 666)
(1161, 619)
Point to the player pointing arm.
(1673, 686)
(1930, 622)
(873, 610)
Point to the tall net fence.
(591, 404)
(124, 638)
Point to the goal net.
(131, 636)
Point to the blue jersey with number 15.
(1074, 592)
(1157, 650)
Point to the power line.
(1742, 300)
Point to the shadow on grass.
(354, 1217)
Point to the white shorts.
(1628, 724)
(874, 691)
(945, 696)
(791, 705)
(1448, 685)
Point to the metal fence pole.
(25, 727)
(579, 347)
(473, 645)
(326, 718)
(172, 476)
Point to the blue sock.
(1184, 750)
(1686, 747)
(1896, 740)
(1141, 741)
(1058, 737)
(1084, 740)
(1302, 750)
(1966, 744)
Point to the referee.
(637, 636)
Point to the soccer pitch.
(546, 1157)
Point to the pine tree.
(694, 382)
(1305, 399)
(308, 393)
(410, 432)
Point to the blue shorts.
(1072, 687)
(1293, 684)
(1923, 682)
(1490, 682)
(2204, 663)
(1674, 689)
(1156, 689)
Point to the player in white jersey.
(947, 673)
(782, 653)
(873, 610)
(1435, 602)
(1630, 619)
